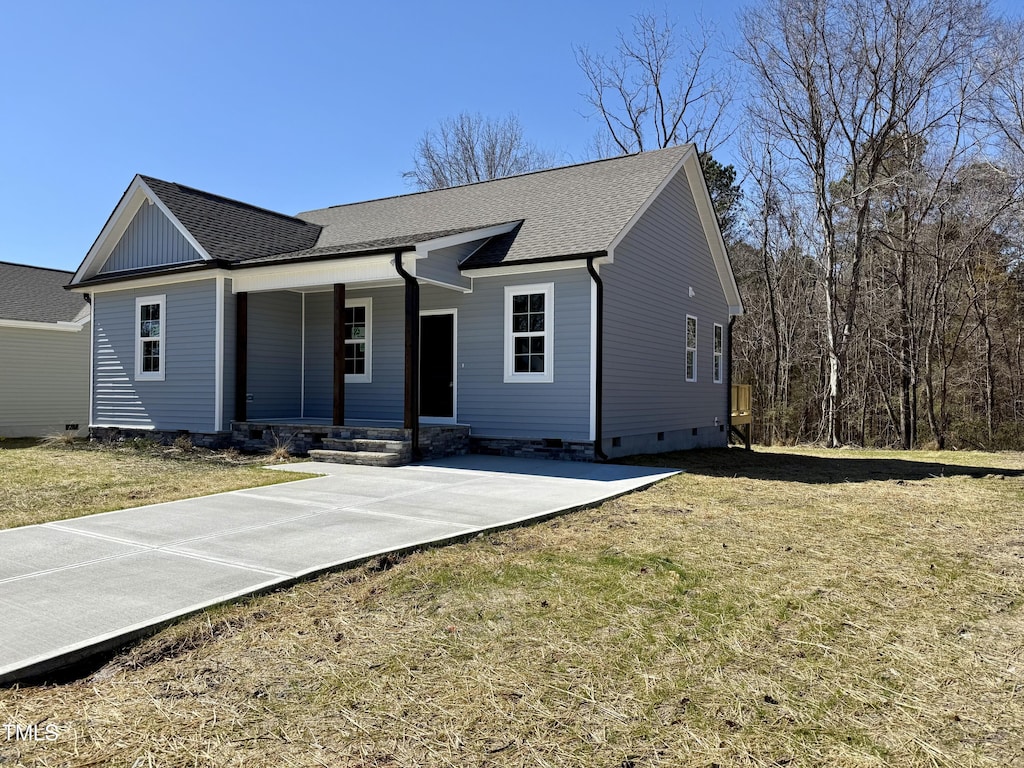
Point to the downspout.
(412, 354)
(598, 358)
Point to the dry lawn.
(782, 608)
(41, 482)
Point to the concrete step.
(362, 458)
(368, 445)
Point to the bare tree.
(660, 88)
(839, 81)
(470, 148)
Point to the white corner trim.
(218, 365)
(593, 359)
(92, 359)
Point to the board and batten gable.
(185, 398)
(44, 380)
(151, 240)
(647, 297)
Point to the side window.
(717, 360)
(358, 340)
(691, 348)
(529, 333)
(150, 337)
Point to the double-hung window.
(358, 333)
(691, 348)
(529, 333)
(716, 364)
(150, 337)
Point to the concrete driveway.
(80, 587)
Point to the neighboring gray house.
(44, 353)
(581, 311)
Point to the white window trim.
(367, 376)
(717, 356)
(140, 302)
(511, 376)
(690, 350)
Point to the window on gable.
(716, 366)
(529, 312)
(691, 348)
(150, 338)
(358, 340)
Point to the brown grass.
(787, 607)
(47, 480)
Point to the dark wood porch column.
(412, 356)
(339, 354)
(241, 353)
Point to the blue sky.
(288, 105)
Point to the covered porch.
(336, 356)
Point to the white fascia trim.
(218, 386)
(441, 284)
(713, 233)
(423, 249)
(276, 277)
(137, 193)
(39, 325)
(526, 269)
(152, 282)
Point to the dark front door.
(437, 366)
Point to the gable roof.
(37, 295)
(230, 230)
(567, 212)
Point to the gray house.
(44, 353)
(579, 312)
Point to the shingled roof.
(230, 230)
(566, 212)
(37, 294)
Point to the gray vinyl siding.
(44, 381)
(150, 240)
(185, 398)
(228, 404)
(443, 264)
(646, 302)
(275, 355)
(493, 408)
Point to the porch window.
(691, 348)
(150, 337)
(358, 326)
(716, 365)
(529, 333)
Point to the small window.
(716, 365)
(150, 338)
(529, 312)
(357, 340)
(691, 348)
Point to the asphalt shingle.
(37, 294)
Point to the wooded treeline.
(881, 260)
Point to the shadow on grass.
(14, 443)
(757, 465)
